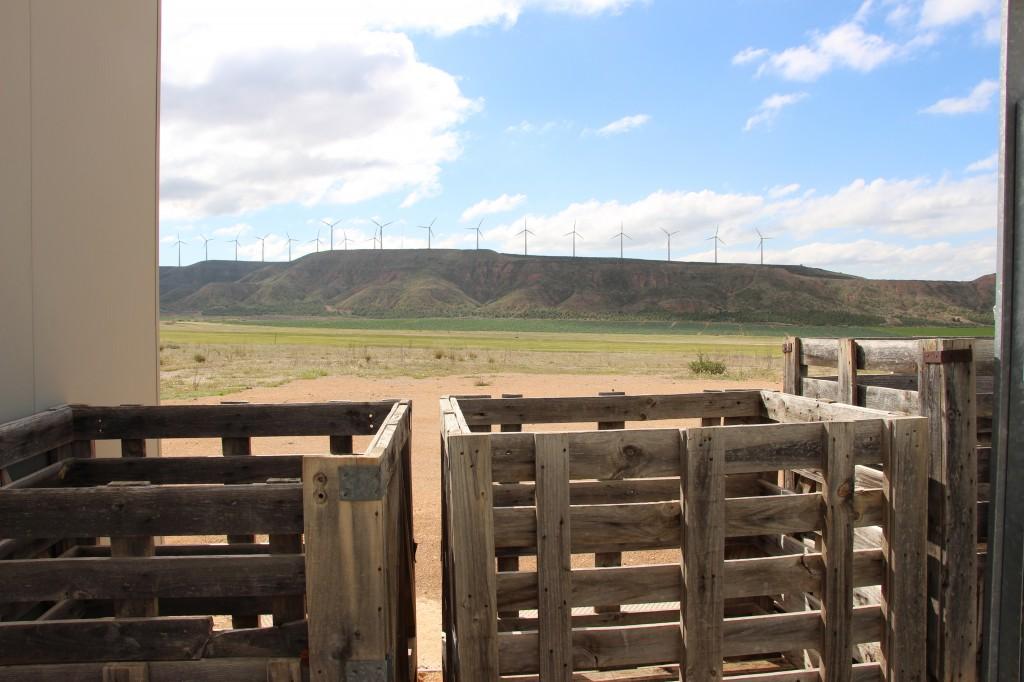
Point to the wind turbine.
(669, 235)
(477, 230)
(717, 241)
(206, 248)
(290, 240)
(762, 238)
(344, 239)
(622, 244)
(381, 228)
(574, 234)
(263, 247)
(316, 240)
(526, 233)
(235, 242)
(430, 231)
(330, 226)
(178, 244)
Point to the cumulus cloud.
(506, 202)
(749, 54)
(947, 12)
(769, 109)
(779, 191)
(623, 125)
(977, 100)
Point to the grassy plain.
(202, 357)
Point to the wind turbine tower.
(330, 226)
(526, 232)
(344, 239)
(430, 231)
(179, 244)
(290, 240)
(263, 247)
(235, 242)
(762, 238)
(316, 241)
(668, 236)
(206, 247)
(477, 230)
(622, 236)
(717, 242)
(381, 228)
(575, 235)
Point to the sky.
(856, 136)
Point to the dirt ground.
(424, 394)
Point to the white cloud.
(769, 109)
(779, 191)
(623, 125)
(313, 101)
(506, 202)
(986, 165)
(525, 127)
(978, 100)
(936, 13)
(749, 54)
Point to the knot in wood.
(845, 490)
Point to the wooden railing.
(307, 597)
(709, 493)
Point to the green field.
(202, 357)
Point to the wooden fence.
(708, 495)
(311, 556)
(950, 382)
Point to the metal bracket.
(360, 483)
(943, 357)
(368, 671)
(787, 347)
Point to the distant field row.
(601, 327)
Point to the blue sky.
(859, 135)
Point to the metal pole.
(1004, 585)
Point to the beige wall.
(79, 107)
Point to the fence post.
(847, 372)
(702, 501)
(904, 589)
(948, 398)
(345, 575)
(133, 546)
(509, 563)
(471, 510)
(608, 559)
(792, 370)
(837, 553)
(239, 447)
(554, 557)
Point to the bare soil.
(424, 394)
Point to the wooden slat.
(792, 366)
(837, 552)
(657, 583)
(702, 498)
(905, 587)
(345, 587)
(471, 529)
(860, 672)
(847, 372)
(35, 434)
(210, 670)
(554, 561)
(122, 578)
(619, 492)
(182, 470)
(284, 640)
(608, 408)
(218, 549)
(635, 646)
(229, 421)
(178, 510)
(888, 399)
(126, 639)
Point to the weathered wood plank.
(471, 529)
(609, 408)
(837, 552)
(157, 577)
(344, 567)
(280, 641)
(154, 510)
(126, 639)
(620, 492)
(905, 543)
(847, 372)
(702, 499)
(35, 434)
(792, 366)
(182, 470)
(554, 561)
(242, 420)
(210, 670)
(657, 583)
